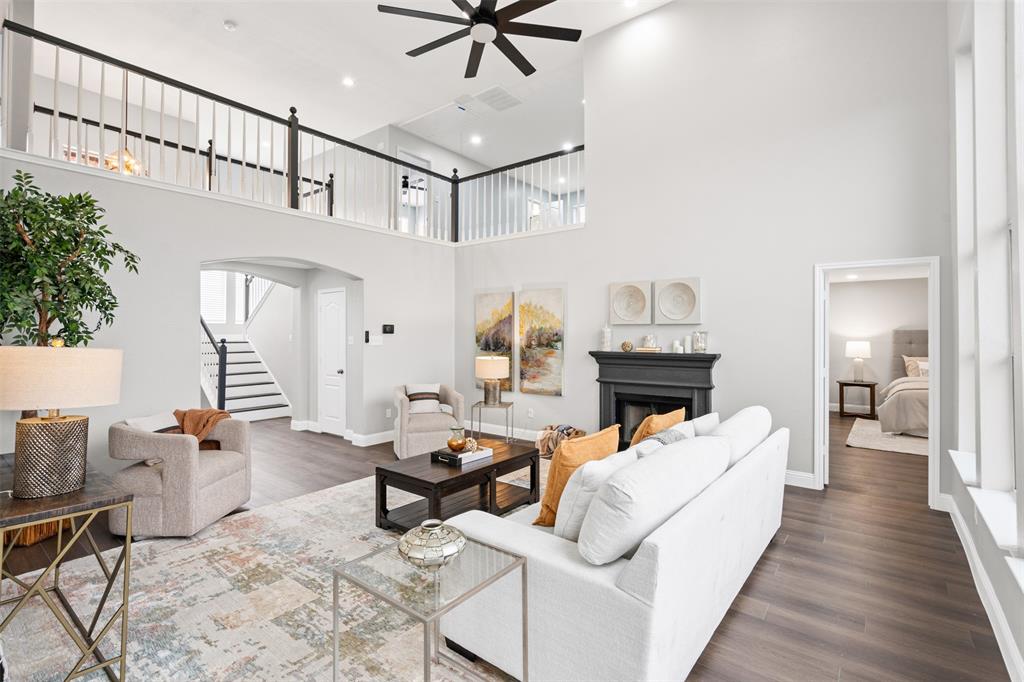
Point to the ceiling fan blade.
(514, 55)
(538, 31)
(488, 5)
(450, 38)
(518, 9)
(401, 11)
(465, 7)
(475, 53)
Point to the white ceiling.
(296, 53)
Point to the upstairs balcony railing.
(90, 109)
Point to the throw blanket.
(552, 435)
(199, 422)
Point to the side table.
(476, 416)
(872, 413)
(80, 509)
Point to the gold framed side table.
(79, 509)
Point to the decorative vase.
(457, 441)
(700, 342)
(606, 338)
(431, 544)
(627, 346)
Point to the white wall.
(174, 231)
(775, 136)
(870, 311)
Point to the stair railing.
(222, 363)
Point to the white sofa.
(647, 617)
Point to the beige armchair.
(189, 489)
(416, 434)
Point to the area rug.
(867, 433)
(247, 599)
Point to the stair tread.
(258, 407)
(245, 362)
(254, 395)
(239, 374)
(254, 383)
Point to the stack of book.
(457, 459)
(649, 349)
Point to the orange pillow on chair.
(570, 455)
(655, 423)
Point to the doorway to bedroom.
(876, 374)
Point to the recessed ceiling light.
(561, 181)
(566, 146)
(476, 139)
(583, 101)
(230, 26)
(853, 277)
(348, 82)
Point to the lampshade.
(858, 349)
(43, 378)
(492, 367)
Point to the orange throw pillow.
(569, 456)
(655, 423)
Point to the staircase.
(252, 393)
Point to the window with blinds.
(213, 296)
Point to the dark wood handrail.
(520, 164)
(222, 364)
(373, 152)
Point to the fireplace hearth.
(635, 385)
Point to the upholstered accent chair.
(186, 491)
(419, 433)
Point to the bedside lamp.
(492, 369)
(859, 351)
(50, 451)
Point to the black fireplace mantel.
(658, 376)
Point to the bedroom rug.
(247, 599)
(867, 433)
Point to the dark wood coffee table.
(449, 491)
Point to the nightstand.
(870, 385)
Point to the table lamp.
(858, 350)
(50, 451)
(492, 369)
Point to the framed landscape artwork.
(541, 340)
(495, 329)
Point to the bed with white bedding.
(904, 408)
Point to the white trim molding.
(365, 440)
(498, 430)
(821, 369)
(802, 479)
(306, 425)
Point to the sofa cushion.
(423, 398)
(217, 465)
(653, 423)
(582, 486)
(637, 499)
(569, 456)
(745, 430)
(430, 421)
(704, 426)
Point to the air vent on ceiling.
(498, 98)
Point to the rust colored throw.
(199, 422)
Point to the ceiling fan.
(487, 24)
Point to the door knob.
(341, 371)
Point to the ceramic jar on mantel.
(431, 544)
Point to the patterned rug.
(247, 599)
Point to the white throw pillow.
(704, 426)
(154, 423)
(423, 398)
(745, 430)
(580, 489)
(685, 428)
(640, 497)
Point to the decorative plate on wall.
(677, 301)
(629, 303)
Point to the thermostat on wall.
(388, 329)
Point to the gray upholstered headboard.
(909, 342)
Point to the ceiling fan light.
(483, 32)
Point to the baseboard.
(800, 479)
(306, 425)
(499, 430)
(834, 407)
(1000, 627)
(944, 503)
(365, 440)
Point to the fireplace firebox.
(635, 385)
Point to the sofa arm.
(127, 443)
(566, 597)
(233, 434)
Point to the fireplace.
(634, 385)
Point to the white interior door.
(331, 336)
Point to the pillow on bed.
(913, 366)
(923, 366)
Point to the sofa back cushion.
(638, 498)
(582, 486)
(569, 456)
(744, 431)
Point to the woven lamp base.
(49, 456)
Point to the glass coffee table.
(427, 594)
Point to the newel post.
(293, 159)
(222, 373)
(330, 195)
(455, 204)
